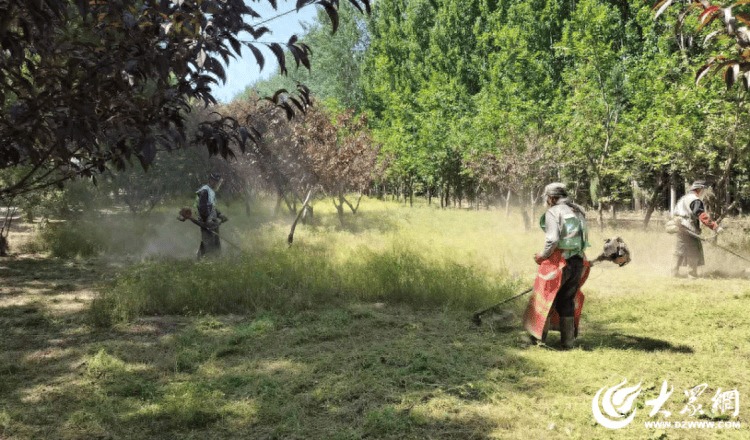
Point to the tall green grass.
(287, 280)
(383, 254)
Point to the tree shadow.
(46, 275)
(362, 371)
(333, 369)
(356, 223)
(34, 345)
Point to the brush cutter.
(615, 250)
(713, 242)
(187, 214)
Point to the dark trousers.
(210, 243)
(571, 277)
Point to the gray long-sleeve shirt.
(554, 220)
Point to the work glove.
(223, 218)
(719, 230)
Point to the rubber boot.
(545, 331)
(567, 332)
(693, 273)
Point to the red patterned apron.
(547, 283)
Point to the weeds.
(288, 280)
(330, 267)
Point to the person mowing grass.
(205, 200)
(563, 268)
(690, 212)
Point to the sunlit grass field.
(359, 331)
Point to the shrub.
(70, 240)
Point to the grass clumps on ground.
(363, 333)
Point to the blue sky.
(244, 71)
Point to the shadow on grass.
(352, 373)
(338, 373)
(591, 341)
(380, 222)
(50, 376)
(359, 371)
(45, 275)
(35, 347)
(726, 275)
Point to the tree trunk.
(526, 219)
(247, 198)
(636, 196)
(672, 195)
(277, 208)
(339, 207)
(353, 208)
(28, 214)
(307, 214)
(647, 218)
(476, 198)
(507, 205)
(290, 238)
(5, 231)
(652, 202)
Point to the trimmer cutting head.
(616, 251)
(185, 213)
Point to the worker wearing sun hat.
(562, 267)
(209, 216)
(691, 212)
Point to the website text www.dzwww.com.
(703, 424)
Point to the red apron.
(547, 283)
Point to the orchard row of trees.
(491, 100)
(478, 99)
(90, 88)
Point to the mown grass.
(359, 364)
